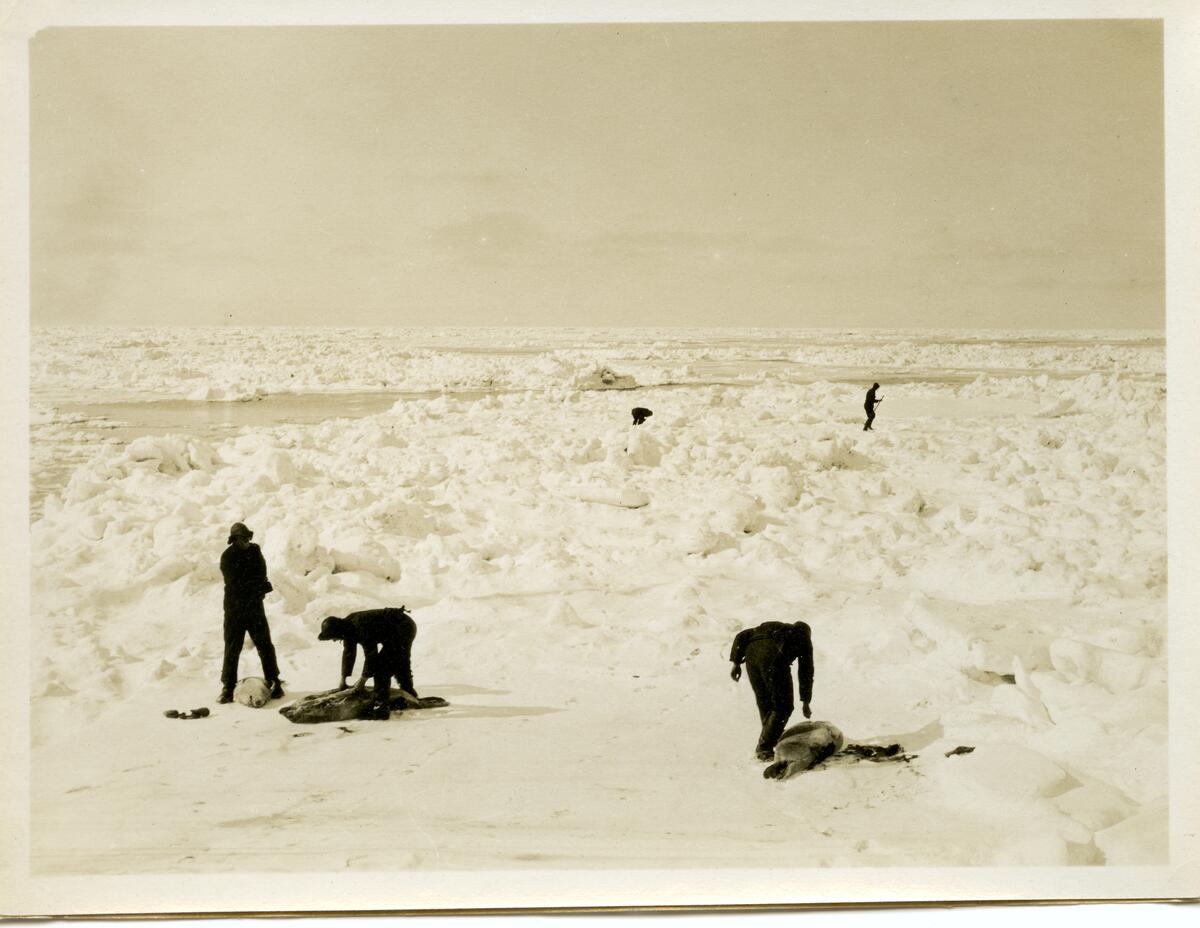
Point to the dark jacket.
(245, 574)
(871, 402)
(775, 645)
(390, 629)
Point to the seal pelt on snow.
(875, 752)
(802, 747)
(252, 691)
(345, 705)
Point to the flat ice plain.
(1007, 517)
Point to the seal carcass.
(347, 704)
(252, 691)
(803, 746)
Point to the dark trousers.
(394, 660)
(772, 684)
(241, 620)
(870, 418)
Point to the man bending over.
(768, 651)
(386, 637)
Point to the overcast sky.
(802, 174)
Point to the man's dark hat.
(329, 628)
(239, 529)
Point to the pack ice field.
(983, 575)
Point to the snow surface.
(577, 582)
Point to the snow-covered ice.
(577, 582)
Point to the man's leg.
(781, 709)
(235, 636)
(382, 674)
(761, 684)
(403, 667)
(260, 634)
(378, 708)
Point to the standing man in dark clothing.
(386, 637)
(869, 406)
(768, 651)
(246, 584)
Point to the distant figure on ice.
(386, 637)
(246, 584)
(768, 651)
(641, 414)
(869, 406)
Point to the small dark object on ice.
(641, 414)
(201, 713)
(348, 731)
(961, 749)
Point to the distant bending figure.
(246, 584)
(768, 651)
(386, 637)
(869, 406)
(640, 414)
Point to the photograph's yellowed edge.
(21, 893)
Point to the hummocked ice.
(986, 570)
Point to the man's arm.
(737, 653)
(804, 667)
(370, 662)
(348, 654)
(260, 564)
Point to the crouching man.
(386, 637)
(768, 651)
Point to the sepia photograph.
(469, 457)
